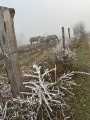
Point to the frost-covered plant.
(48, 97)
(5, 92)
(74, 43)
(3, 109)
(65, 56)
(45, 99)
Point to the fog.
(44, 17)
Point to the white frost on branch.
(44, 94)
(49, 93)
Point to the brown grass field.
(30, 54)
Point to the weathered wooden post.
(74, 31)
(63, 38)
(69, 33)
(9, 49)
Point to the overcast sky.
(44, 17)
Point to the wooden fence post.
(63, 38)
(69, 33)
(9, 49)
(74, 31)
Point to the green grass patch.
(81, 101)
(83, 55)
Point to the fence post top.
(12, 10)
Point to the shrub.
(45, 100)
(64, 56)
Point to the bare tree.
(79, 30)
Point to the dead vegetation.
(42, 55)
(30, 54)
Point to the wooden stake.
(69, 33)
(9, 48)
(74, 31)
(63, 38)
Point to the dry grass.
(30, 54)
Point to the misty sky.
(44, 17)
